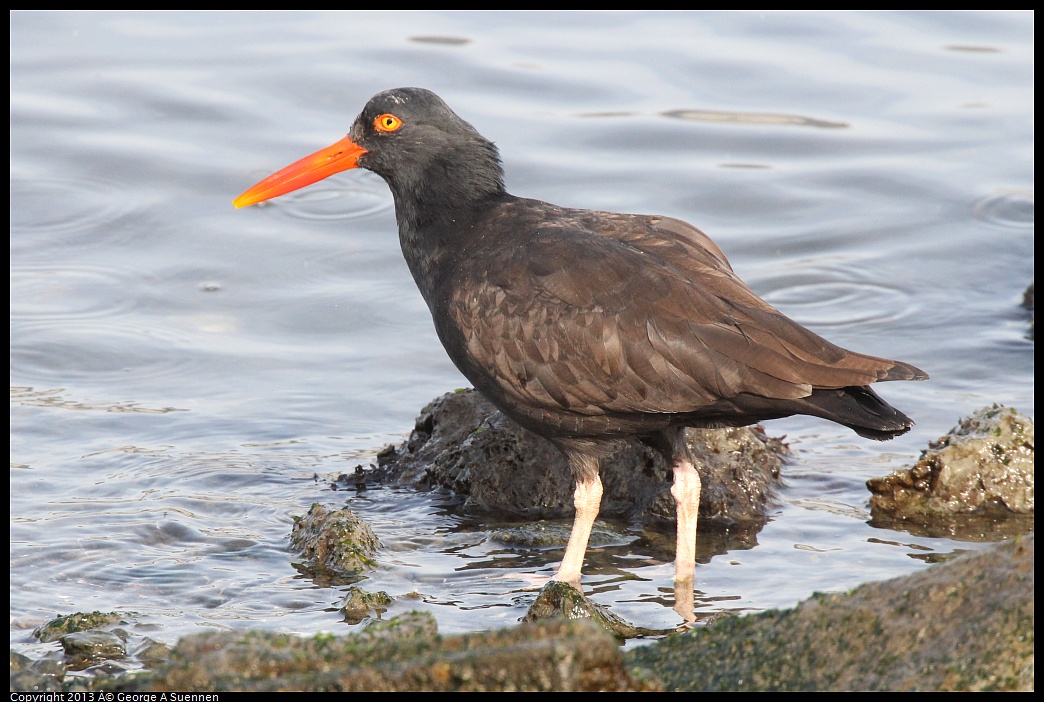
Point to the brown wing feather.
(603, 313)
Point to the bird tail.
(860, 409)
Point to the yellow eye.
(387, 123)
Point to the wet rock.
(962, 625)
(150, 652)
(107, 668)
(546, 656)
(463, 444)
(976, 482)
(335, 540)
(966, 624)
(80, 621)
(562, 600)
(19, 662)
(40, 675)
(356, 482)
(411, 626)
(94, 645)
(544, 534)
(359, 604)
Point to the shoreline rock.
(967, 624)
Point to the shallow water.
(186, 377)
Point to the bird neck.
(434, 238)
(437, 214)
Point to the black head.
(417, 143)
(436, 164)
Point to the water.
(186, 377)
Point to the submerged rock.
(91, 642)
(359, 604)
(94, 645)
(976, 482)
(543, 534)
(461, 443)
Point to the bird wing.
(597, 313)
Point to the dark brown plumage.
(588, 326)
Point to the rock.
(80, 621)
(962, 625)
(461, 443)
(94, 645)
(335, 540)
(967, 624)
(405, 628)
(548, 656)
(976, 482)
(562, 600)
(544, 534)
(359, 604)
(40, 675)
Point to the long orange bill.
(322, 164)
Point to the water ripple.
(355, 197)
(65, 291)
(58, 205)
(55, 398)
(1008, 208)
(66, 350)
(821, 299)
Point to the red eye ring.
(387, 123)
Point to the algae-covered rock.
(556, 655)
(359, 604)
(974, 482)
(336, 540)
(80, 621)
(562, 600)
(966, 624)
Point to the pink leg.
(686, 492)
(586, 499)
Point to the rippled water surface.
(186, 377)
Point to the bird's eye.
(387, 123)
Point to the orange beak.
(322, 164)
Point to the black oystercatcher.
(586, 327)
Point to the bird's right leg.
(583, 461)
(587, 499)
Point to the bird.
(589, 327)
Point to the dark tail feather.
(861, 410)
(903, 371)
